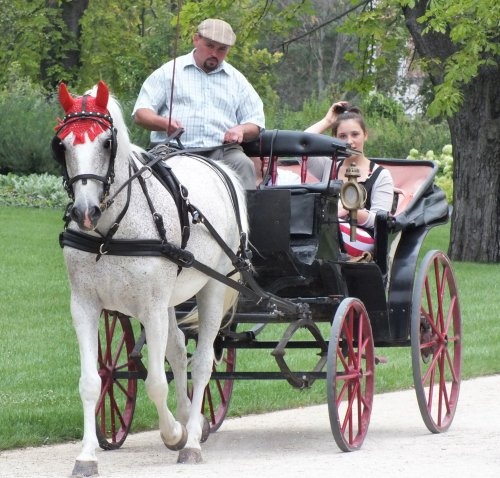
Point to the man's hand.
(173, 126)
(234, 134)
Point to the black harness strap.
(179, 193)
(152, 248)
(116, 225)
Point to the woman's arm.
(381, 199)
(327, 121)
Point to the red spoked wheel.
(350, 374)
(436, 341)
(217, 396)
(116, 404)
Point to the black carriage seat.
(419, 202)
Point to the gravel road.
(299, 443)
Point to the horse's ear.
(102, 96)
(65, 98)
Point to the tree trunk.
(71, 14)
(474, 130)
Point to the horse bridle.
(58, 149)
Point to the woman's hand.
(336, 109)
(342, 213)
(331, 116)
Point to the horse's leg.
(210, 308)
(177, 358)
(85, 322)
(172, 432)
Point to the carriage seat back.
(295, 143)
(410, 177)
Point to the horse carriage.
(290, 274)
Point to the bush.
(34, 190)
(444, 162)
(27, 120)
(28, 116)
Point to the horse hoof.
(205, 430)
(189, 456)
(180, 444)
(85, 468)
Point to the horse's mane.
(240, 193)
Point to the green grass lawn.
(39, 362)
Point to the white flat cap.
(217, 30)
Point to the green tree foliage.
(124, 41)
(29, 31)
(381, 35)
(472, 28)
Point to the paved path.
(299, 443)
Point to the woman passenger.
(347, 124)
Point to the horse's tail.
(190, 320)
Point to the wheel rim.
(116, 404)
(436, 342)
(350, 375)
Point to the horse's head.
(85, 145)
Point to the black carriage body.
(294, 238)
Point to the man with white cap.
(211, 100)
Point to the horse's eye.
(107, 144)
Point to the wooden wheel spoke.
(451, 314)
(350, 374)
(110, 327)
(116, 403)
(430, 373)
(436, 342)
(115, 412)
(352, 395)
(449, 360)
(342, 358)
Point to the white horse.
(93, 146)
